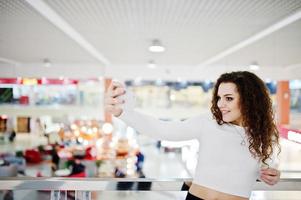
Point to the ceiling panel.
(281, 49)
(27, 37)
(191, 30)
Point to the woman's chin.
(226, 120)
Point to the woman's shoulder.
(207, 119)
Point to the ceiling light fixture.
(47, 62)
(156, 46)
(254, 66)
(152, 64)
(138, 80)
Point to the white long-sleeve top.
(224, 164)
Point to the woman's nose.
(220, 103)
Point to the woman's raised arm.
(120, 103)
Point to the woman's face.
(228, 103)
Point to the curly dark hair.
(256, 109)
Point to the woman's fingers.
(114, 110)
(271, 180)
(270, 171)
(112, 100)
(114, 85)
(116, 89)
(270, 176)
(267, 177)
(117, 92)
(267, 182)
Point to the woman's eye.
(229, 98)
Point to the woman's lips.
(225, 112)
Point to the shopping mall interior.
(58, 58)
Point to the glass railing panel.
(124, 188)
(115, 184)
(131, 195)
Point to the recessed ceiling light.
(138, 80)
(159, 81)
(254, 66)
(47, 62)
(179, 79)
(156, 46)
(152, 64)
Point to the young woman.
(235, 141)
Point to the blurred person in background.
(55, 157)
(77, 166)
(12, 135)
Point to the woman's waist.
(208, 193)
(231, 178)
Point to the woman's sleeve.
(158, 129)
(163, 130)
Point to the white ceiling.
(192, 31)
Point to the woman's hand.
(270, 176)
(112, 102)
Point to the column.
(283, 102)
(108, 117)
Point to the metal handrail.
(109, 184)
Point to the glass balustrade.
(125, 188)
